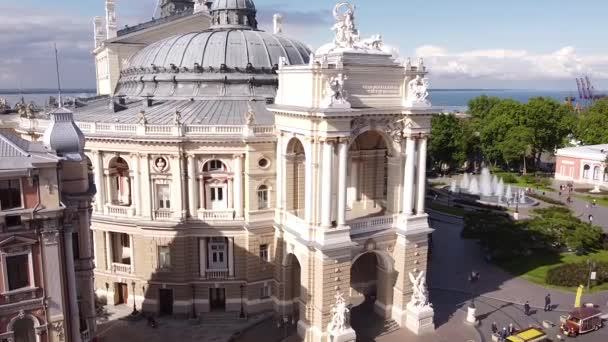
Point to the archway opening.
(216, 190)
(295, 168)
(367, 176)
(120, 178)
(371, 292)
(293, 289)
(24, 330)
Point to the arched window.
(596, 173)
(263, 197)
(586, 169)
(120, 181)
(214, 166)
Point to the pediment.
(16, 240)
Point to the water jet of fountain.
(453, 187)
(474, 187)
(465, 182)
(509, 193)
(485, 182)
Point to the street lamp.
(591, 265)
(242, 315)
(193, 301)
(134, 304)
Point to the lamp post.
(134, 304)
(591, 265)
(242, 314)
(193, 301)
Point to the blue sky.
(468, 43)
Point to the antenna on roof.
(58, 79)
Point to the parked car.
(582, 320)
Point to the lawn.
(600, 200)
(445, 209)
(526, 182)
(534, 268)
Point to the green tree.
(480, 107)
(497, 123)
(592, 127)
(445, 146)
(516, 146)
(550, 122)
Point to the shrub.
(546, 199)
(509, 178)
(576, 274)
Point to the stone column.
(279, 186)
(98, 170)
(132, 254)
(177, 206)
(146, 193)
(326, 183)
(109, 257)
(192, 186)
(343, 164)
(71, 276)
(408, 179)
(238, 186)
(203, 256)
(136, 188)
(231, 257)
(231, 193)
(109, 189)
(421, 175)
(308, 182)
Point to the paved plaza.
(499, 297)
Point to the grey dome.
(236, 49)
(232, 4)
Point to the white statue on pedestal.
(250, 114)
(420, 295)
(335, 94)
(417, 92)
(338, 315)
(346, 32)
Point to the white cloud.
(512, 65)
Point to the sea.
(449, 99)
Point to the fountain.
(474, 187)
(485, 183)
(490, 189)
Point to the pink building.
(583, 164)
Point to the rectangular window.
(220, 194)
(124, 240)
(264, 252)
(263, 197)
(18, 270)
(164, 196)
(265, 291)
(10, 194)
(216, 165)
(164, 257)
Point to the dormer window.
(10, 194)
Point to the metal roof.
(232, 4)
(19, 154)
(232, 48)
(196, 112)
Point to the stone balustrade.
(121, 268)
(295, 223)
(162, 214)
(118, 210)
(216, 215)
(371, 224)
(217, 274)
(92, 128)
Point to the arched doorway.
(295, 169)
(367, 176)
(24, 330)
(293, 289)
(371, 291)
(120, 181)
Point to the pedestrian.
(594, 203)
(504, 333)
(511, 329)
(527, 308)
(494, 328)
(590, 218)
(548, 302)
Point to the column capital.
(191, 156)
(237, 156)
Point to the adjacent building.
(46, 286)
(583, 165)
(238, 170)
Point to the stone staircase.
(389, 327)
(220, 319)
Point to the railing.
(117, 210)
(40, 125)
(365, 225)
(162, 214)
(216, 215)
(121, 268)
(295, 222)
(85, 336)
(21, 295)
(217, 274)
